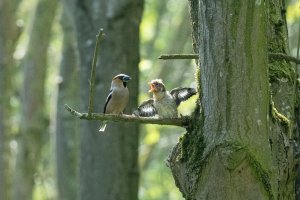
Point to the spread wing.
(181, 94)
(146, 109)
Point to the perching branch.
(277, 56)
(182, 121)
(92, 80)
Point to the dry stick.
(298, 47)
(92, 79)
(277, 56)
(182, 121)
(178, 56)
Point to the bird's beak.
(126, 78)
(152, 87)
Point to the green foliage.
(192, 147)
(293, 20)
(156, 181)
(293, 11)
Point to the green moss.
(277, 30)
(197, 78)
(277, 42)
(297, 103)
(278, 71)
(192, 147)
(261, 174)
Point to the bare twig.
(178, 56)
(182, 121)
(92, 79)
(298, 46)
(298, 53)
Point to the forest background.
(165, 28)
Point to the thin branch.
(282, 56)
(182, 121)
(92, 79)
(277, 56)
(178, 56)
(298, 46)
(298, 51)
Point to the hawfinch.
(164, 103)
(117, 98)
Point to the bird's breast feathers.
(166, 107)
(118, 101)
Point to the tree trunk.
(8, 38)
(33, 120)
(108, 162)
(238, 146)
(66, 127)
(282, 76)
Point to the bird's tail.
(102, 126)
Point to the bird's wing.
(107, 100)
(146, 109)
(181, 94)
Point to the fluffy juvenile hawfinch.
(164, 103)
(117, 98)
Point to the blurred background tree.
(9, 33)
(108, 163)
(33, 124)
(165, 28)
(66, 128)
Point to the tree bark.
(108, 163)
(8, 38)
(237, 148)
(282, 76)
(33, 120)
(66, 145)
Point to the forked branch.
(93, 74)
(182, 121)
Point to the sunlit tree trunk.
(239, 146)
(66, 140)
(8, 38)
(33, 119)
(108, 162)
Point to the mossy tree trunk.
(33, 127)
(66, 134)
(283, 87)
(108, 166)
(239, 146)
